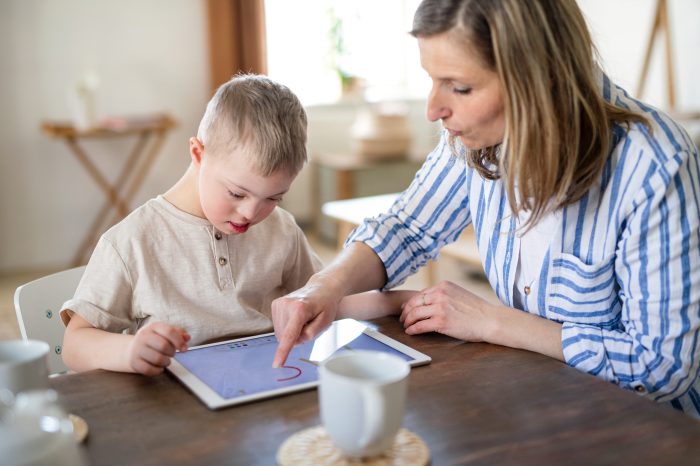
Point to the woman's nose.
(437, 108)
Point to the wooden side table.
(150, 132)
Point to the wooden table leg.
(97, 226)
(143, 170)
(130, 178)
(96, 175)
(344, 229)
(344, 184)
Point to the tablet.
(238, 371)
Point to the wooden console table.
(137, 165)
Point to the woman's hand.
(449, 309)
(150, 350)
(303, 314)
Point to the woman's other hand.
(449, 309)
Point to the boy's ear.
(196, 150)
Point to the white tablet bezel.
(214, 401)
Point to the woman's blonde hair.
(558, 126)
(260, 116)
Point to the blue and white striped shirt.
(622, 272)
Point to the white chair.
(38, 303)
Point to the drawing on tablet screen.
(298, 370)
(242, 368)
(294, 368)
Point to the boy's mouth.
(238, 227)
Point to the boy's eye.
(236, 195)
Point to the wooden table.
(474, 404)
(136, 166)
(350, 213)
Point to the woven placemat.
(313, 446)
(80, 427)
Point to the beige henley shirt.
(163, 264)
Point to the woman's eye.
(461, 90)
(235, 195)
(275, 199)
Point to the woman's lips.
(238, 227)
(454, 133)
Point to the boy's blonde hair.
(264, 118)
(558, 126)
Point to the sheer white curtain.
(303, 52)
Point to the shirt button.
(527, 290)
(222, 261)
(640, 389)
(217, 235)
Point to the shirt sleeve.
(657, 352)
(104, 294)
(431, 213)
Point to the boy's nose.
(249, 210)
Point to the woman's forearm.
(373, 304)
(518, 329)
(356, 269)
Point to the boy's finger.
(161, 344)
(175, 335)
(154, 358)
(145, 368)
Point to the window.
(313, 46)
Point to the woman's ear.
(196, 150)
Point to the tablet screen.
(243, 367)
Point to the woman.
(584, 202)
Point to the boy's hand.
(152, 347)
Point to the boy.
(183, 268)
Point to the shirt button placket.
(222, 260)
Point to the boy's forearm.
(373, 304)
(88, 348)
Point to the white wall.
(621, 29)
(150, 56)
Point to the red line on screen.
(293, 376)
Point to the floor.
(447, 269)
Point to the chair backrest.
(38, 303)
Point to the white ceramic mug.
(362, 396)
(23, 366)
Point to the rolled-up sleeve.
(429, 214)
(105, 292)
(657, 352)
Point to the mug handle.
(373, 402)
